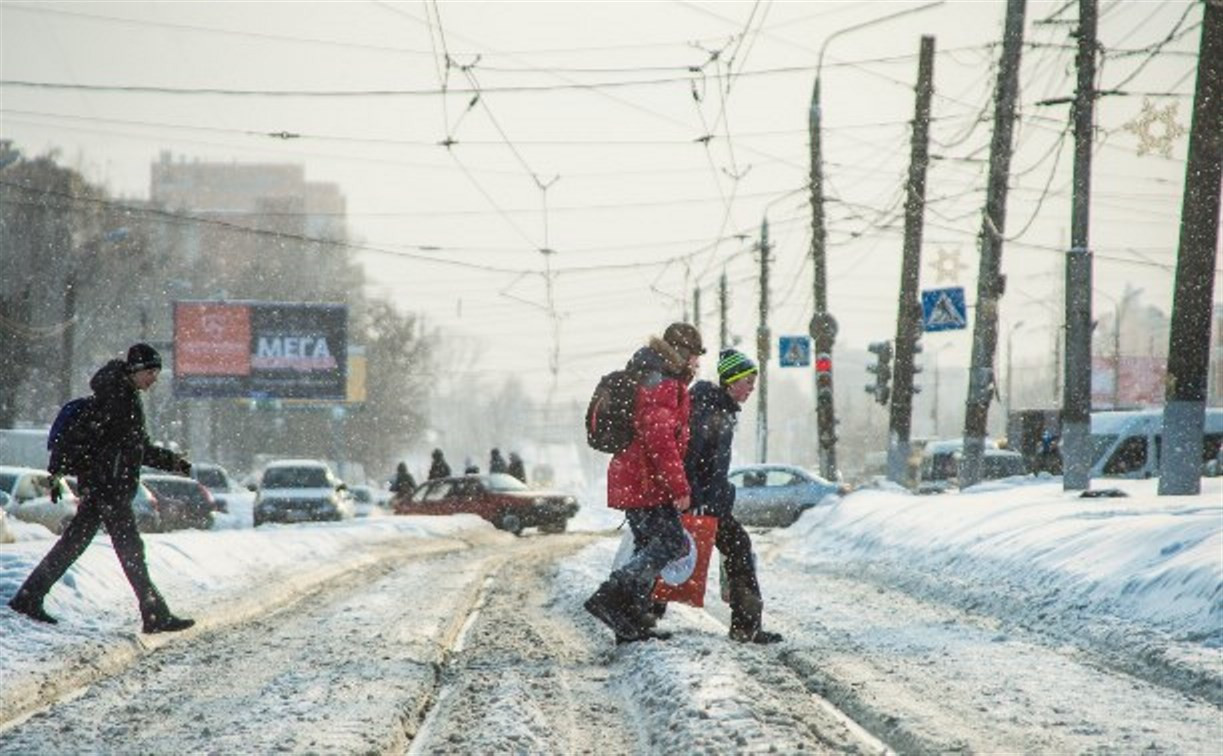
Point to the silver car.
(776, 495)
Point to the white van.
(1128, 444)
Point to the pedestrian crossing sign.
(944, 309)
(795, 351)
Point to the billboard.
(260, 350)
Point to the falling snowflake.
(1148, 139)
(948, 266)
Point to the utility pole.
(696, 307)
(1189, 345)
(1076, 392)
(723, 337)
(990, 282)
(762, 350)
(908, 315)
(823, 325)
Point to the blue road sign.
(795, 351)
(944, 309)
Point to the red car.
(501, 499)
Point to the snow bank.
(1148, 559)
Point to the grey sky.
(639, 210)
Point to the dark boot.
(760, 637)
(647, 634)
(746, 607)
(158, 618)
(25, 603)
(613, 606)
(166, 624)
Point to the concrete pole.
(1189, 346)
(1076, 396)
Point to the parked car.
(181, 502)
(777, 495)
(297, 490)
(1128, 444)
(365, 501)
(145, 507)
(503, 500)
(6, 533)
(218, 482)
(29, 491)
(940, 466)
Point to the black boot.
(613, 606)
(24, 603)
(759, 637)
(166, 624)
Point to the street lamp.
(68, 335)
(823, 326)
(934, 407)
(1010, 380)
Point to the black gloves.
(55, 489)
(183, 467)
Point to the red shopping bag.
(688, 587)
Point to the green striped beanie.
(733, 365)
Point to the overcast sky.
(608, 106)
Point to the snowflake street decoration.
(948, 266)
(1151, 139)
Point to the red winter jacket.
(650, 472)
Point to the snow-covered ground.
(1136, 582)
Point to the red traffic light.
(823, 363)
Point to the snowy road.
(482, 646)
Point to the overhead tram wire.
(170, 217)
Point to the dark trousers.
(735, 546)
(658, 538)
(95, 509)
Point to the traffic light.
(823, 373)
(882, 370)
(917, 349)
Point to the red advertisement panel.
(212, 339)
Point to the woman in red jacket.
(647, 480)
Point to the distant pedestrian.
(113, 445)
(496, 463)
(439, 468)
(516, 467)
(403, 484)
(715, 410)
(647, 481)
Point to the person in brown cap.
(648, 482)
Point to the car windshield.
(503, 482)
(1100, 444)
(211, 477)
(183, 490)
(295, 477)
(6, 482)
(362, 495)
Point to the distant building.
(277, 202)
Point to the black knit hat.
(142, 357)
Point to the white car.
(297, 490)
(6, 534)
(29, 491)
(365, 501)
(224, 489)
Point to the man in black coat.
(113, 445)
(715, 410)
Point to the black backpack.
(609, 416)
(67, 440)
